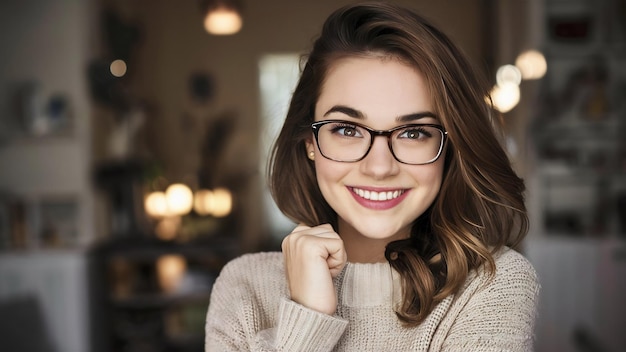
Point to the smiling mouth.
(377, 196)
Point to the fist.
(313, 257)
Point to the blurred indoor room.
(134, 138)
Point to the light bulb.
(203, 202)
(222, 202)
(508, 74)
(155, 204)
(179, 199)
(532, 64)
(222, 20)
(505, 97)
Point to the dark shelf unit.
(578, 132)
(134, 306)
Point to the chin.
(382, 231)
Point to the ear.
(310, 147)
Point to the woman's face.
(380, 93)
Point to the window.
(278, 75)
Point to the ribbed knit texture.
(250, 310)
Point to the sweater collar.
(368, 284)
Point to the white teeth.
(380, 196)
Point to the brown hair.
(480, 206)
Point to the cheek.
(328, 171)
(329, 176)
(430, 176)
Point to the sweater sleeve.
(249, 312)
(500, 314)
(230, 317)
(303, 329)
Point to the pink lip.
(379, 204)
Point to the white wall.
(48, 42)
(58, 280)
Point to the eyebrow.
(346, 110)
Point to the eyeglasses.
(344, 141)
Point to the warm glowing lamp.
(508, 74)
(222, 19)
(532, 64)
(505, 97)
(179, 199)
(222, 202)
(156, 204)
(203, 202)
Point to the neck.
(361, 249)
(366, 251)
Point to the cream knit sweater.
(250, 310)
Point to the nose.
(379, 162)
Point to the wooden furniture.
(151, 295)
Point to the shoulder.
(514, 276)
(250, 276)
(254, 269)
(254, 260)
(511, 264)
(511, 291)
(495, 310)
(244, 298)
(254, 263)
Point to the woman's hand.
(313, 257)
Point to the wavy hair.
(480, 206)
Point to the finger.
(302, 228)
(337, 258)
(300, 233)
(327, 246)
(304, 236)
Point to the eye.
(415, 133)
(346, 130)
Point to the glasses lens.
(417, 144)
(342, 141)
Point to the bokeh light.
(203, 202)
(532, 64)
(222, 202)
(156, 204)
(179, 199)
(118, 68)
(505, 97)
(508, 74)
(222, 21)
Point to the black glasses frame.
(315, 126)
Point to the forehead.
(377, 86)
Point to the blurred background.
(134, 138)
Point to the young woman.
(407, 204)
